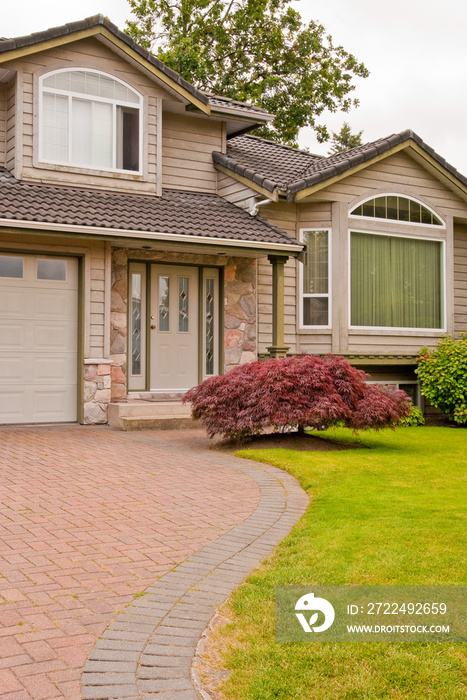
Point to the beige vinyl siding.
(399, 173)
(97, 318)
(3, 98)
(10, 126)
(92, 54)
(234, 191)
(389, 343)
(460, 279)
(315, 215)
(187, 145)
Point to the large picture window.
(396, 282)
(89, 119)
(315, 306)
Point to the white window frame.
(91, 98)
(396, 221)
(397, 235)
(327, 296)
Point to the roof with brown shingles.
(99, 20)
(273, 166)
(175, 212)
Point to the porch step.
(137, 414)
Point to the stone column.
(96, 390)
(277, 349)
(239, 312)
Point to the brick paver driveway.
(89, 518)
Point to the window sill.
(416, 332)
(78, 170)
(315, 330)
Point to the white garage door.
(38, 339)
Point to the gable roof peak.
(99, 24)
(277, 167)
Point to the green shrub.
(442, 373)
(414, 418)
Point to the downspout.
(254, 209)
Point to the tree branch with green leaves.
(257, 51)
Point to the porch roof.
(186, 215)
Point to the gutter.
(153, 236)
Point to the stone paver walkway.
(89, 518)
(147, 651)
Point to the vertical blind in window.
(396, 282)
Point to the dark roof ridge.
(340, 162)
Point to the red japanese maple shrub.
(302, 391)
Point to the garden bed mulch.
(284, 441)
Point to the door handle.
(152, 326)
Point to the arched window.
(89, 119)
(397, 208)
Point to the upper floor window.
(315, 297)
(89, 119)
(396, 208)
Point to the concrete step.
(136, 414)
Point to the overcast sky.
(414, 49)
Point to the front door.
(174, 328)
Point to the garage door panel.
(12, 406)
(13, 337)
(54, 405)
(50, 337)
(54, 370)
(39, 346)
(11, 369)
(13, 303)
(48, 304)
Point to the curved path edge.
(146, 653)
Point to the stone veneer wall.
(239, 312)
(97, 380)
(240, 327)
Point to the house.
(385, 227)
(148, 242)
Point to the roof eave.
(247, 176)
(261, 118)
(293, 248)
(303, 188)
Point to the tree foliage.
(302, 391)
(344, 140)
(442, 373)
(257, 51)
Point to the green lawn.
(393, 512)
